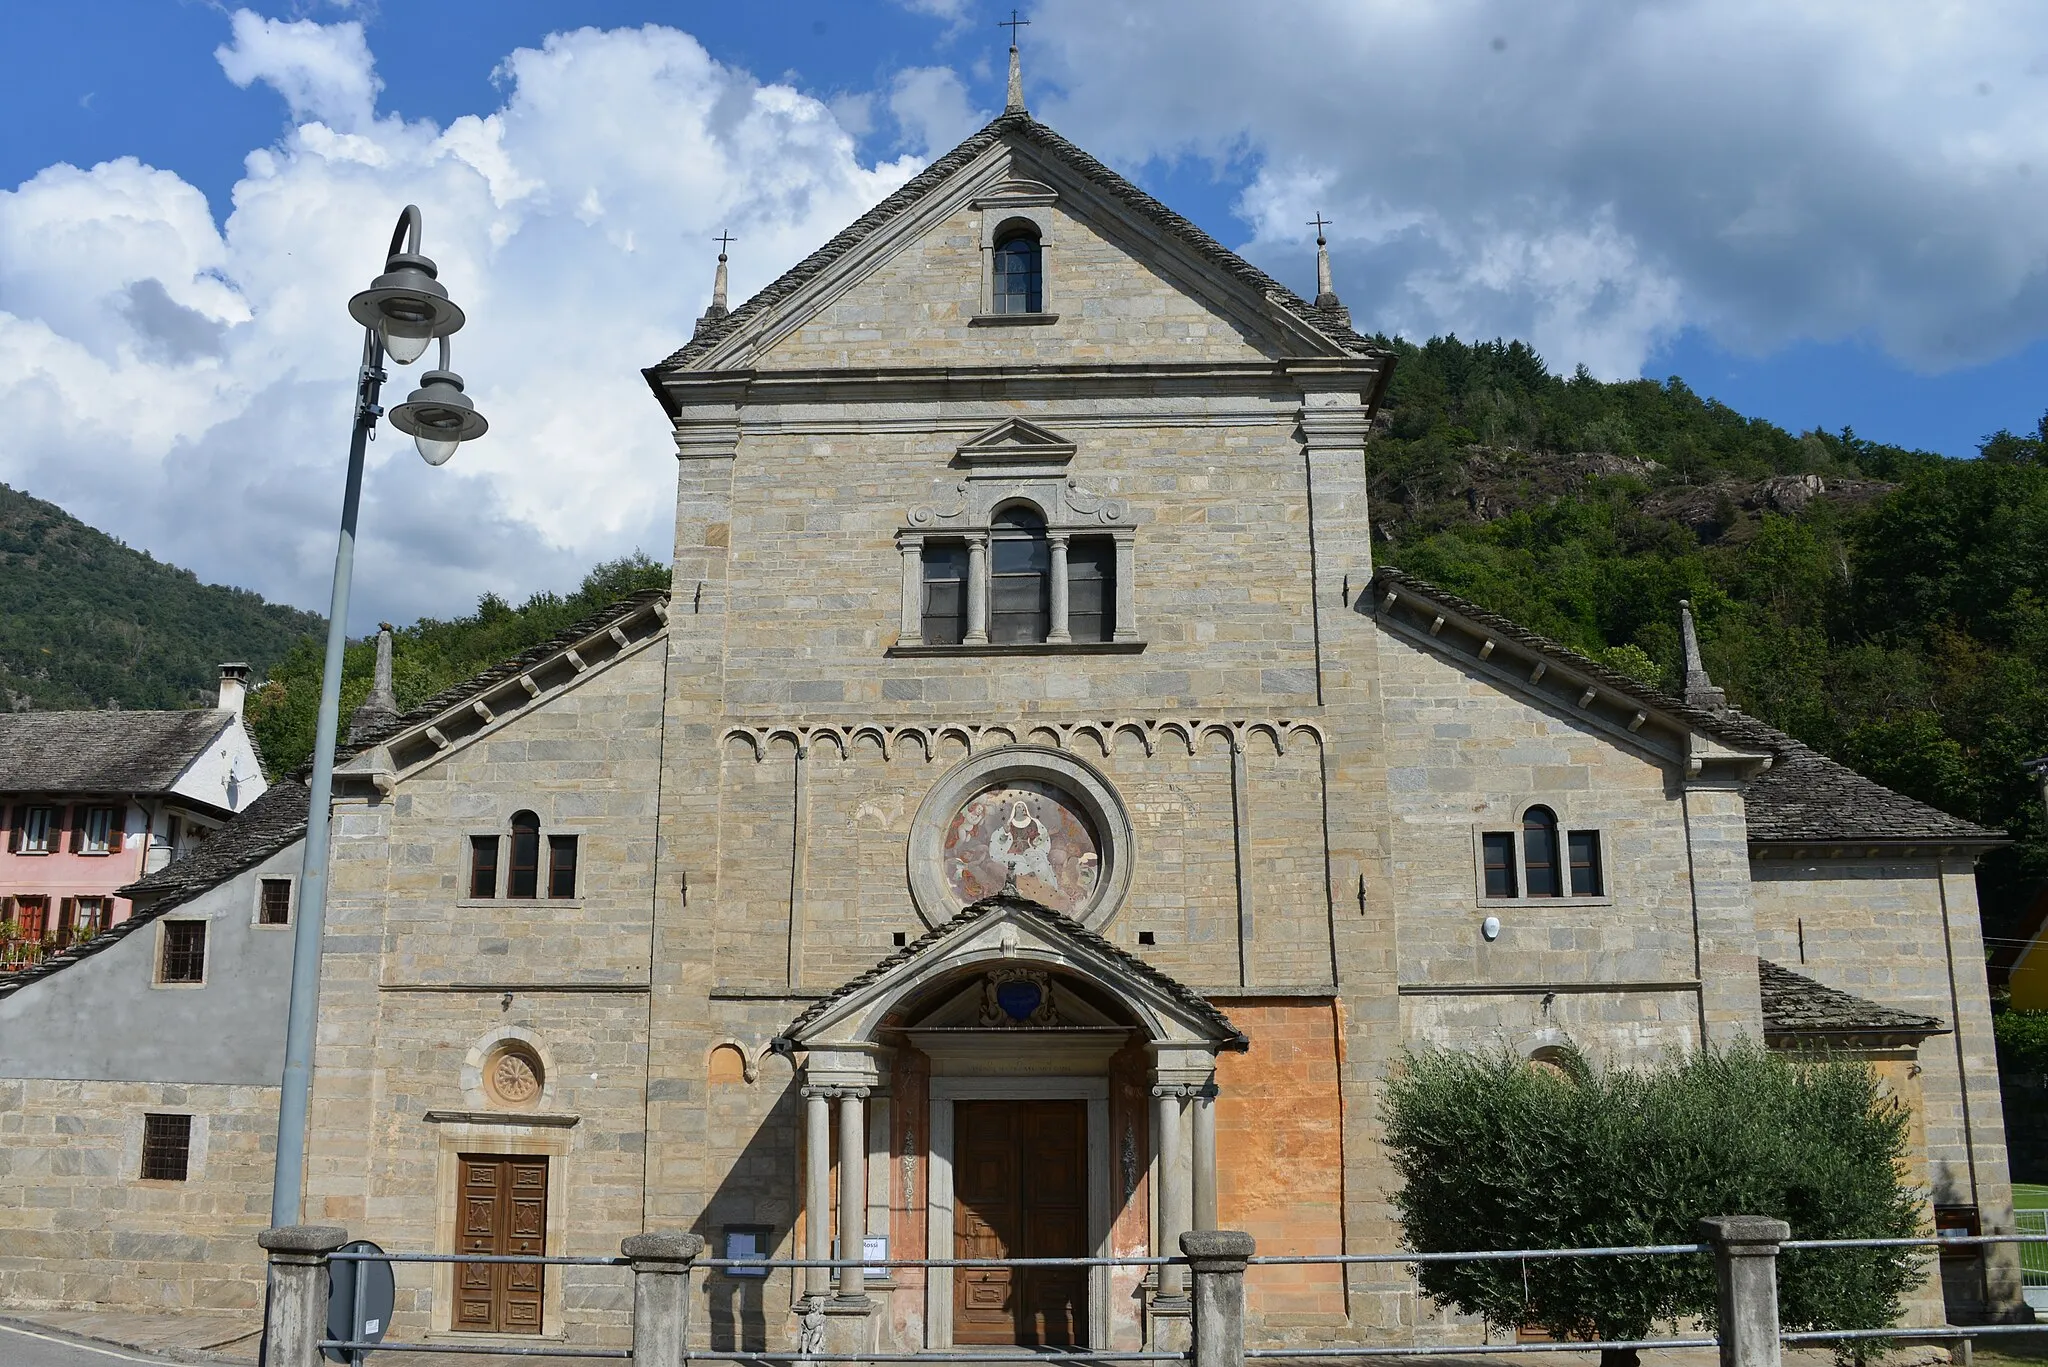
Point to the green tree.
(1496, 1153)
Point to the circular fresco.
(1034, 829)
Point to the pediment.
(1015, 444)
(1008, 934)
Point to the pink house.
(92, 801)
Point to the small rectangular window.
(523, 879)
(184, 952)
(97, 830)
(166, 1147)
(483, 866)
(1091, 589)
(91, 916)
(38, 829)
(945, 595)
(561, 866)
(275, 906)
(1585, 857)
(1499, 847)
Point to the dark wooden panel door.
(504, 1205)
(1020, 1191)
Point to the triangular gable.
(982, 165)
(1014, 443)
(1006, 928)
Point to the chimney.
(380, 708)
(234, 687)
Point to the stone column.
(817, 1190)
(911, 631)
(296, 1320)
(1126, 588)
(1205, 1157)
(661, 1296)
(1746, 1270)
(1172, 1195)
(977, 591)
(1058, 632)
(853, 1190)
(1217, 1259)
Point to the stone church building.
(1032, 825)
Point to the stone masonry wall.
(83, 1229)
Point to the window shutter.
(74, 825)
(14, 830)
(117, 829)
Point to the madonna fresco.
(1032, 829)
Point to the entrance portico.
(1016, 1021)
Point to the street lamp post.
(402, 311)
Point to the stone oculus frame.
(1079, 780)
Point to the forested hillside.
(87, 622)
(1886, 606)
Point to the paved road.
(39, 1348)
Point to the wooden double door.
(1020, 1191)
(504, 1210)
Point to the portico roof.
(976, 934)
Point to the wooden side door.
(1053, 1148)
(985, 1221)
(504, 1204)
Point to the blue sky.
(1821, 213)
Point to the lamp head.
(438, 416)
(408, 307)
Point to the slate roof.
(103, 752)
(278, 818)
(1330, 322)
(1795, 1004)
(1804, 795)
(1197, 1005)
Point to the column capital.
(657, 1247)
(1058, 538)
(1745, 1236)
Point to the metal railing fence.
(1750, 1335)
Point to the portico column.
(817, 1190)
(1205, 1157)
(1173, 1199)
(1058, 542)
(853, 1190)
(977, 591)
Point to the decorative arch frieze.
(1149, 733)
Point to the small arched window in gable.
(1541, 873)
(1020, 605)
(523, 879)
(1019, 271)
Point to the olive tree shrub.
(1497, 1153)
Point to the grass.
(2029, 1196)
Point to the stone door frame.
(939, 1188)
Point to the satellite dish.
(359, 1300)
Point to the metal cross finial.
(1319, 223)
(1013, 23)
(724, 240)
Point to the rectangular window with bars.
(274, 905)
(1091, 589)
(944, 618)
(561, 866)
(1584, 849)
(1498, 848)
(483, 866)
(166, 1147)
(184, 952)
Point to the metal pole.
(287, 1194)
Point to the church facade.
(1031, 825)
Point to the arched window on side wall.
(523, 877)
(1020, 607)
(1540, 868)
(1019, 271)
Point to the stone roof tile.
(1795, 1004)
(103, 752)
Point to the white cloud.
(324, 71)
(930, 106)
(187, 386)
(1594, 174)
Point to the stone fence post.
(661, 1295)
(295, 1319)
(1217, 1258)
(1746, 1275)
